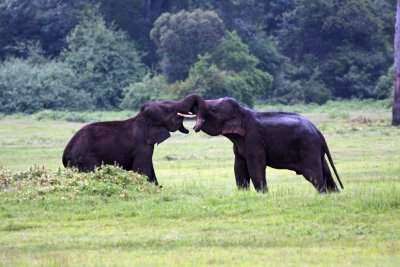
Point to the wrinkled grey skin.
(280, 140)
(130, 143)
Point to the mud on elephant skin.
(130, 143)
(280, 140)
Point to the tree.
(346, 40)
(36, 20)
(396, 99)
(181, 37)
(228, 70)
(104, 58)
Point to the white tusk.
(187, 115)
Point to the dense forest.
(97, 54)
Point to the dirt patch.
(362, 120)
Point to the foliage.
(211, 82)
(347, 41)
(385, 85)
(103, 57)
(151, 88)
(315, 91)
(106, 181)
(266, 51)
(229, 70)
(24, 21)
(29, 87)
(299, 90)
(315, 50)
(181, 37)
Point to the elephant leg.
(143, 163)
(241, 173)
(256, 168)
(153, 174)
(330, 183)
(315, 176)
(88, 164)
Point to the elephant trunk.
(195, 103)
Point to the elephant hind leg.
(330, 183)
(315, 177)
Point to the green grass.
(199, 218)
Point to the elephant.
(280, 140)
(130, 143)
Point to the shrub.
(384, 86)
(315, 90)
(28, 87)
(149, 89)
(105, 181)
(211, 82)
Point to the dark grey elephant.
(277, 139)
(130, 143)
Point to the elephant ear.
(156, 134)
(234, 125)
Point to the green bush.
(385, 85)
(105, 181)
(149, 89)
(28, 87)
(288, 92)
(315, 90)
(211, 82)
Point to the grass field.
(199, 218)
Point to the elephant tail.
(328, 154)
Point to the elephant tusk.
(187, 115)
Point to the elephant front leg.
(143, 164)
(256, 168)
(241, 173)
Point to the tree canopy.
(287, 51)
(182, 36)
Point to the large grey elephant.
(277, 139)
(130, 143)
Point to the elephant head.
(222, 116)
(167, 116)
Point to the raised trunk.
(396, 97)
(196, 103)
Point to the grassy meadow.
(198, 217)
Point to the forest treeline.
(98, 54)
